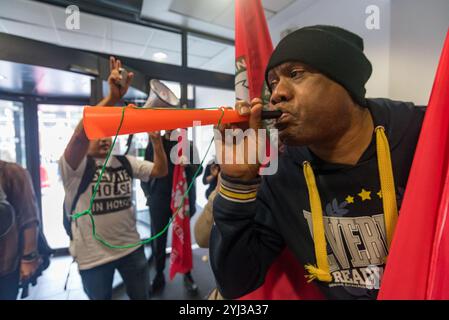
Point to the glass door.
(12, 133)
(138, 144)
(56, 126)
(206, 97)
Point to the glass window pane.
(56, 126)
(12, 133)
(137, 148)
(190, 92)
(210, 55)
(30, 79)
(208, 98)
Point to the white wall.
(418, 30)
(349, 14)
(405, 50)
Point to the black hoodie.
(249, 234)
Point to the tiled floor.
(201, 273)
(50, 285)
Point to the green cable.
(94, 194)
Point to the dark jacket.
(248, 236)
(16, 184)
(158, 190)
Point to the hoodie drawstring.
(319, 239)
(321, 271)
(386, 184)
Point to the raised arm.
(78, 145)
(245, 239)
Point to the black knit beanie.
(333, 51)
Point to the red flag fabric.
(418, 263)
(181, 254)
(285, 279)
(253, 48)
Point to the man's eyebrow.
(285, 67)
(293, 64)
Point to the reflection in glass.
(56, 126)
(12, 133)
(208, 98)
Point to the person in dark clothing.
(19, 254)
(340, 181)
(210, 177)
(158, 192)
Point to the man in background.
(159, 195)
(113, 211)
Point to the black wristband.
(254, 181)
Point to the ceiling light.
(159, 56)
(2, 77)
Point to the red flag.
(418, 262)
(253, 47)
(181, 254)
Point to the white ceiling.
(214, 17)
(45, 22)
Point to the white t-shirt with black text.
(113, 210)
